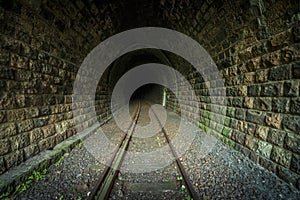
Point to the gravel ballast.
(222, 173)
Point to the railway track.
(186, 179)
(105, 184)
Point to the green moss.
(229, 142)
(206, 129)
(206, 122)
(226, 131)
(227, 121)
(206, 114)
(231, 111)
(34, 177)
(202, 126)
(59, 162)
(4, 195)
(220, 137)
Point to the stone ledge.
(15, 176)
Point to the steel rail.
(183, 173)
(107, 178)
(106, 181)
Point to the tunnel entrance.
(152, 93)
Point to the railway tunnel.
(249, 101)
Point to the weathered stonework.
(40, 56)
(258, 57)
(254, 43)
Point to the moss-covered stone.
(226, 131)
(281, 156)
(264, 149)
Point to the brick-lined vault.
(255, 44)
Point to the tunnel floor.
(216, 172)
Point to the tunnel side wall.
(41, 49)
(255, 45)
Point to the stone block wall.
(41, 48)
(255, 45)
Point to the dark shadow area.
(151, 92)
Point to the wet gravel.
(217, 172)
(71, 178)
(76, 174)
(159, 183)
(226, 174)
